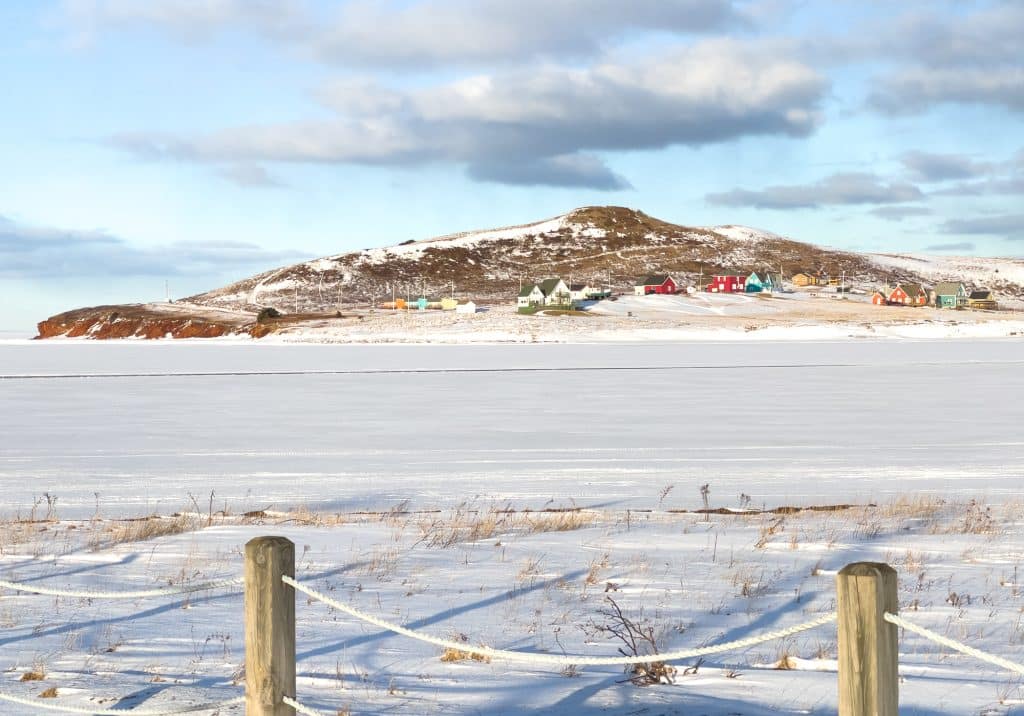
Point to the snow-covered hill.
(606, 245)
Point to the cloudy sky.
(199, 141)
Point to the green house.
(755, 284)
(950, 294)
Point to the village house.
(764, 281)
(727, 283)
(556, 292)
(804, 279)
(655, 284)
(580, 291)
(949, 294)
(903, 294)
(465, 307)
(983, 299)
(448, 303)
(530, 295)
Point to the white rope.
(956, 645)
(304, 710)
(47, 705)
(87, 594)
(564, 660)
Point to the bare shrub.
(636, 638)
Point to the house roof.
(548, 285)
(948, 288)
(913, 290)
(981, 294)
(527, 289)
(578, 286)
(653, 280)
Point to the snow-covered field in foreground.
(317, 436)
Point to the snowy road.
(338, 427)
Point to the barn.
(728, 283)
(655, 284)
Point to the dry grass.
(32, 676)
(452, 655)
(117, 532)
(467, 524)
(50, 693)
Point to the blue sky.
(200, 142)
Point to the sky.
(152, 146)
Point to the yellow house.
(804, 279)
(448, 304)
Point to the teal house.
(950, 294)
(757, 284)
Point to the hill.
(604, 245)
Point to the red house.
(906, 294)
(655, 284)
(727, 283)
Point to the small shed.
(466, 307)
(950, 294)
(982, 299)
(657, 283)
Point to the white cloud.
(551, 119)
(837, 189)
(28, 251)
(418, 34)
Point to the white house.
(465, 307)
(530, 295)
(580, 291)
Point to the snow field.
(520, 582)
(406, 495)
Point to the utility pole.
(167, 291)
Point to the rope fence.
(565, 659)
(43, 705)
(37, 704)
(954, 644)
(139, 594)
(866, 614)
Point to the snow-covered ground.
(389, 465)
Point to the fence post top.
(866, 569)
(272, 540)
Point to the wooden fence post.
(269, 627)
(868, 645)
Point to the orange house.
(908, 294)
